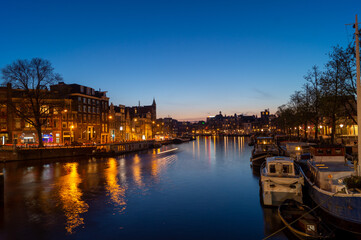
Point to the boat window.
(328, 151)
(338, 151)
(272, 168)
(265, 141)
(319, 151)
(286, 169)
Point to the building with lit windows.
(15, 130)
(139, 122)
(86, 119)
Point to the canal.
(204, 190)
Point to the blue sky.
(195, 57)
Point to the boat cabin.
(276, 166)
(328, 153)
(265, 140)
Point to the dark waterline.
(205, 190)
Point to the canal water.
(204, 190)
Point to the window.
(79, 108)
(89, 101)
(89, 109)
(64, 124)
(55, 123)
(272, 168)
(286, 169)
(44, 109)
(84, 108)
(55, 111)
(79, 99)
(17, 123)
(81, 88)
(84, 118)
(27, 125)
(84, 100)
(102, 127)
(93, 109)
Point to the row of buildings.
(74, 114)
(218, 125)
(80, 114)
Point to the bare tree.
(313, 78)
(33, 79)
(333, 85)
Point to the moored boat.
(325, 176)
(280, 180)
(302, 221)
(264, 147)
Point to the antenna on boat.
(358, 99)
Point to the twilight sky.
(195, 57)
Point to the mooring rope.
(286, 225)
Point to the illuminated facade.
(75, 114)
(87, 120)
(139, 122)
(15, 130)
(117, 123)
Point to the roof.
(334, 167)
(279, 159)
(264, 137)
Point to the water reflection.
(150, 194)
(115, 190)
(137, 171)
(70, 195)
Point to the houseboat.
(264, 147)
(280, 180)
(326, 174)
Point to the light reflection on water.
(114, 189)
(206, 190)
(70, 196)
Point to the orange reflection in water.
(116, 191)
(70, 197)
(137, 172)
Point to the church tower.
(154, 110)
